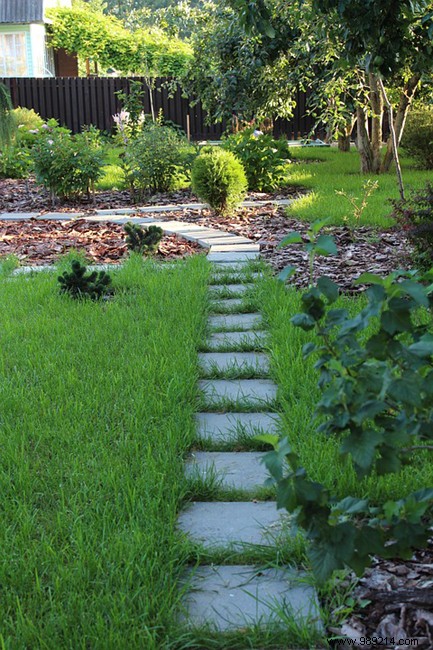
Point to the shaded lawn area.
(299, 394)
(326, 171)
(97, 412)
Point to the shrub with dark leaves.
(415, 216)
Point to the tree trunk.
(363, 141)
(344, 135)
(406, 98)
(376, 102)
(394, 139)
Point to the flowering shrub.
(65, 164)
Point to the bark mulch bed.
(37, 243)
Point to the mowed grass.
(97, 411)
(299, 394)
(326, 171)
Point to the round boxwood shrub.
(219, 179)
(418, 136)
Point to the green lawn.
(97, 413)
(325, 171)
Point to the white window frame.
(16, 71)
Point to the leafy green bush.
(219, 179)
(154, 159)
(263, 158)
(415, 216)
(418, 136)
(142, 241)
(77, 284)
(15, 162)
(376, 383)
(67, 165)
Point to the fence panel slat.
(78, 101)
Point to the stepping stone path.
(230, 597)
(233, 597)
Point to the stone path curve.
(234, 596)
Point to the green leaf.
(369, 278)
(369, 410)
(304, 321)
(395, 321)
(287, 272)
(351, 505)
(291, 238)
(318, 225)
(329, 288)
(362, 447)
(424, 347)
(324, 561)
(415, 291)
(325, 245)
(268, 438)
(286, 496)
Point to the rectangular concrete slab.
(235, 340)
(222, 427)
(223, 361)
(221, 239)
(59, 216)
(232, 258)
(223, 267)
(242, 470)
(229, 598)
(173, 207)
(245, 391)
(235, 321)
(232, 524)
(117, 211)
(249, 247)
(18, 216)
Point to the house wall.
(37, 43)
(25, 67)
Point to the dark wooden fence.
(78, 101)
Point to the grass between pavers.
(326, 171)
(98, 403)
(298, 395)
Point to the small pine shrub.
(78, 285)
(142, 241)
(418, 136)
(264, 159)
(415, 216)
(154, 159)
(219, 179)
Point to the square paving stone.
(220, 257)
(235, 321)
(245, 391)
(242, 470)
(234, 597)
(232, 340)
(233, 524)
(225, 426)
(223, 361)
